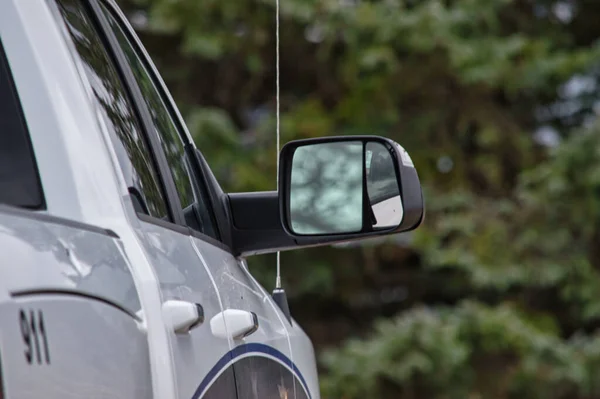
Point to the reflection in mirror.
(382, 187)
(326, 193)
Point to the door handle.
(234, 323)
(182, 316)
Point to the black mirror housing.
(370, 183)
(259, 222)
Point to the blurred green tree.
(497, 295)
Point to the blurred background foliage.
(497, 295)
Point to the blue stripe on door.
(243, 350)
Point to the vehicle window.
(135, 158)
(19, 179)
(168, 133)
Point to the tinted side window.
(135, 158)
(19, 180)
(168, 133)
(164, 126)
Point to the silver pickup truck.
(122, 261)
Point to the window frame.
(130, 83)
(145, 120)
(197, 182)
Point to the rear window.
(19, 180)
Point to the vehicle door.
(150, 155)
(262, 358)
(263, 361)
(68, 302)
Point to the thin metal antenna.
(279, 296)
(278, 279)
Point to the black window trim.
(173, 203)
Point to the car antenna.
(279, 295)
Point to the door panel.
(262, 361)
(183, 277)
(64, 346)
(238, 291)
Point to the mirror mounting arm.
(256, 225)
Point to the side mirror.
(342, 188)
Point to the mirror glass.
(382, 187)
(326, 188)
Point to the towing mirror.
(347, 187)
